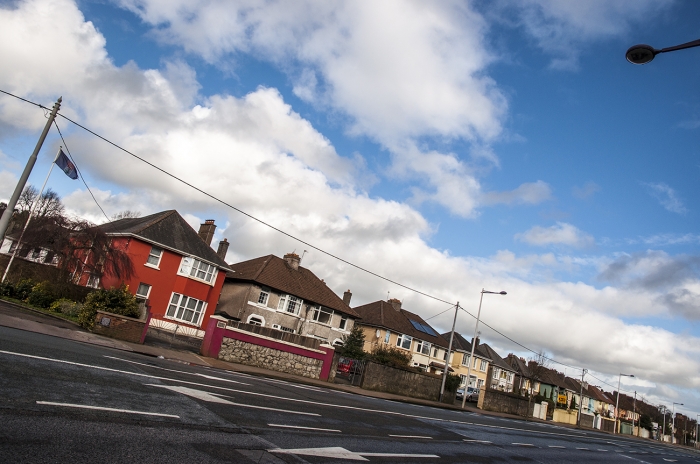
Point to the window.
(481, 383)
(154, 256)
(343, 322)
(264, 296)
(143, 291)
(282, 328)
(321, 315)
(482, 366)
(404, 341)
(197, 269)
(496, 373)
(509, 379)
(465, 360)
(386, 337)
(93, 281)
(337, 342)
(435, 352)
(423, 347)
(256, 320)
(186, 309)
(462, 379)
(290, 304)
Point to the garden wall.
(379, 377)
(121, 327)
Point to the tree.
(353, 344)
(538, 367)
(49, 205)
(127, 213)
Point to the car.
(472, 394)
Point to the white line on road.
(302, 428)
(557, 446)
(411, 436)
(582, 449)
(522, 444)
(99, 408)
(210, 377)
(476, 441)
(341, 453)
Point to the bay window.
(185, 309)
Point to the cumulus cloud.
(559, 234)
(667, 197)
(257, 153)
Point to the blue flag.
(67, 165)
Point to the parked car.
(472, 394)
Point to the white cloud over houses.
(256, 153)
(561, 233)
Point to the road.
(64, 401)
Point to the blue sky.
(461, 145)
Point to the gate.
(350, 371)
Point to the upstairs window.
(197, 269)
(154, 256)
(423, 347)
(465, 360)
(143, 291)
(343, 322)
(482, 366)
(386, 337)
(264, 296)
(321, 315)
(290, 304)
(404, 341)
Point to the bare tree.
(538, 368)
(127, 213)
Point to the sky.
(448, 146)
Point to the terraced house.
(281, 294)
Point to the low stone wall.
(120, 327)
(587, 420)
(565, 417)
(607, 425)
(241, 352)
(509, 403)
(379, 377)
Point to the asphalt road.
(63, 401)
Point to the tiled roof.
(462, 344)
(169, 229)
(274, 272)
(598, 394)
(496, 360)
(519, 364)
(382, 314)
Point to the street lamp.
(673, 423)
(643, 53)
(696, 430)
(471, 356)
(617, 401)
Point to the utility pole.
(7, 215)
(447, 357)
(580, 398)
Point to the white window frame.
(402, 340)
(318, 311)
(343, 322)
(148, 292)
(256, 316)
(423, 347)
(284, 329)
(286, 301)
(265, 296)
(191, 267)
(158, 257)
(483, 365)
(465, 360)
(178, 306)
(387, 336)
(93, 281)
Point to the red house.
(175, 268)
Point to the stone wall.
(242, 352)
(383, 378)
(509, 403)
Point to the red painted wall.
(165, 280)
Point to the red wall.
(164, 280)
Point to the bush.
(23, 288)
(42, 295)
(391, 356)
(67, 307)
(115, 300)
(7, 289)
(452, 383)
(353, 344)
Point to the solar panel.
(423, 328)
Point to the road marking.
(522, 444)
(213, 398)
(476, 441)
(100, 408)
(557, 446)
(302, 428)
(599, 449)
(670, 460)
(210, 377)
(411, 436)
(341, 453)
(582, 449)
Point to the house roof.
(496, 359)
(274, 272)
(598, 394)
(519, 364)
(382, 314)
(168, 229)
(462, 344)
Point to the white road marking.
(213, 398)
(341, 453)
(670, 460)
(582, 449)
(302, 428)
(99, 408)
(477, 441)
(522, 444)
(557, 446)
(210, 377)
(599, 449)
(411, 436)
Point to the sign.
(561, 399)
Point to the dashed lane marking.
(477, 441)
(522, 444)
(411, 436)
(557, 446)
(302, 428)
(100, 408)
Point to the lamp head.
(641, 54)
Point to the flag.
(67, 165)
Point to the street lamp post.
(673, 423)
(663, 429)
(471, 356)
(617, 401)
(643, 53)
(696, 430)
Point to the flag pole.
(31, 212)
(7, 215)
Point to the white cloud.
(667, 197)
(256, 153)
(559, 234)
(528, 193)
(587, 191)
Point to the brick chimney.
(223, 249)
(396, 304)
(477, 342)
(206, 231)
(346, 297)
(292, 260)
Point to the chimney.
(206, 231)
(292, 260)
(477, 342)
(223, 249)
(346, 297)
(396, 304)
